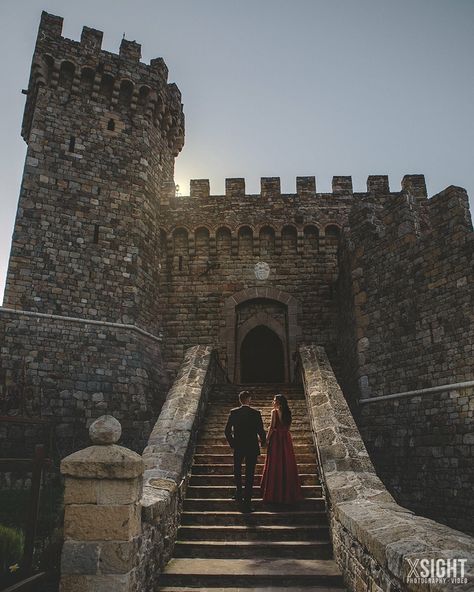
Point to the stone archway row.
(263, 240)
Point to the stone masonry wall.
(374, 538)
(423, 449)
(210, 245)
(407, 293)
(72, 372)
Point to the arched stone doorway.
(250, 308)
(272, 316)
(262, 358)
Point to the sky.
(279, 87)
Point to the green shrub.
(11, 547)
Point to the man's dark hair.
(245, 396)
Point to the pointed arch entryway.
(261, 346)
(261, 323)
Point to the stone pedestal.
(102, 521)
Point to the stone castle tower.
(103, 131)
(112, 276)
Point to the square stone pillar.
(102, 520)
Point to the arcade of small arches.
(245, 240)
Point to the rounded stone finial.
(105, 430)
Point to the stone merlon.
(270, 187)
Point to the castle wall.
(70, 372)
(213, 244)
(410, 292)
(423, 449)
(406, 293)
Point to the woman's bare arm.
(272, 423)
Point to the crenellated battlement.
(270, 188)
(410, 215)
(119, 82)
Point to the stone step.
(268, 396)
(312, 504)
(260, 403)
(297, 409)
(227, 459)
(308, 588)
(219, 440)
(250, 573)
(270, 391)
(209, 468)
(224, 449)
(225, 491)
(264, 518)
(221, 422)
(259, 386)
(253, 533)
(228, 480)
(252, 549)
(217, 431)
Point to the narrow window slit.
(96, 234)
(111, 125)
(72, 143)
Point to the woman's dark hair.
(285, 410)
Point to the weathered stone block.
(79, 558)
(103, 462)
(108, 583)
(118, 557)
(80, 491)
(117, 492)
(95, 523)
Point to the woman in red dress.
(280, 480)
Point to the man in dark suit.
(244, 428)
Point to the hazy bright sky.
(280, 88)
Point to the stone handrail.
(376, 541)
(168, 458)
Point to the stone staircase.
(221, 548)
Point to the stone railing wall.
(123, 510)
(168, 458)
(374, 538)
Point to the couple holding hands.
(280, 482)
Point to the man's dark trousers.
(250, 462)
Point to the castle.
(112, 276)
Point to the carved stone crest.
(262, 270)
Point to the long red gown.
(280, 482)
